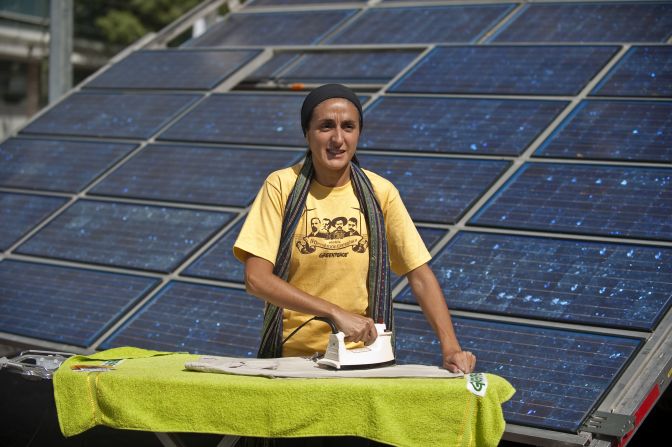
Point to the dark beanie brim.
(323, 93)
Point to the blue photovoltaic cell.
(120, 115)
(643, 71)
(283, 28)
(533, 70)
(124, 235)
(173, 69)
(434, 189)
(430, 236)
(436, 24)
(590, 22)
(348, 67)
(454, 125)
(56, 165)
(65, 305)
(597, 283)
(621, 130)
(559, 375)
(219, 262)
(207, 175)
(242, 119)
(195, 318)
(586, 199)
(19, 213)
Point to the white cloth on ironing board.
(303, 367)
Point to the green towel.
(154, 392)
(126, 352)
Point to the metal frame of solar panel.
(506, 266)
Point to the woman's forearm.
(430, 297)
(428, 293)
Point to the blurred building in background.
(24, 54)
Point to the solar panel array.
(529, 141)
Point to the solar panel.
(173, 69)
(19, 213)
(435, 24)
(433, 189)
(605, 284)
(534, 70)
(559, 375)
(255, 118)
(340, 66)
(283, 28)
(590, 22)
(56, 165)
(452, 125)
(430, 236)
(192, 174)
(128, 115)
(584, 199)
(621, 130)
(124, 235)
(643, 71)
(62, 304)
(354, 67)
(195, 318)
(219, 262)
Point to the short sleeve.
(260, 234)
(406, 248)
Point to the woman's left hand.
(463, 361)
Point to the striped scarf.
(378, 281)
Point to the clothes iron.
(377, 354)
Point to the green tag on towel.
(477, 383)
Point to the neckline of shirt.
(318, 188)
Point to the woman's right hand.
(355, 327)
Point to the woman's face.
(332, 135)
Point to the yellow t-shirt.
(330, 254)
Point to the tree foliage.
(121, 22)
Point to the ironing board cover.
(302, 367)
(152, 391)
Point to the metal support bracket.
(35, 364)
(612, 424)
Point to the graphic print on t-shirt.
(325, 234)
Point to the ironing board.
(152, 391)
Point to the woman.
(343, 277)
